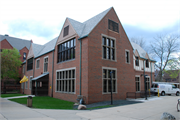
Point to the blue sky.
(42, 20)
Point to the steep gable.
(71, 31)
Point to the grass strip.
(11, 95)
(45, 102)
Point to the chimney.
(6, 35)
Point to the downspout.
(151, 73)
(33, 75)
(80, 65)
(52, 74)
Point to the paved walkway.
(151, 109)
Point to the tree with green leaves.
(173, 68)
(10, 64)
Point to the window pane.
(74, 53)
(63, 75)
(114, 85)
(112, 54)
(57, 75)
(109, 85)
(66, 74)
(69, 85)
(71, 53)
(74, 42)
(104, 85)
(65, 85)
(104, 52)
(73, 85)
(68, 44)
(104, 73)
(69, 73)
(104, 40)
(73, 73)
(57, 85)
(108, 53)
(114, 74)
(69, 56)
(112, 43)
(109, 71)
(108, 42)
(60, 85)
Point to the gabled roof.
(48, 47)
(141, 51)
(16, 42)
(36, 49)
(83, 29)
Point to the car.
(164, 88)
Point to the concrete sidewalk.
(152, 109)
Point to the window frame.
(127, 51)
(148, 81)
(30, 64)
(113, 26)
(45, 63)
(107, 79)
(147, 63)
(37, 66)
(108, 46)
(66, 50)
(139, 83)
(137, 60)
(66, 79)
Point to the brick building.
(81, 59)
(22, 45)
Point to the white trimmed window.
(137, 81)
(127, 55)
(107, 80)
(37, 63)
(30, 82)
(108, 47)
(147, 83)
(46, 64)
(65, 80)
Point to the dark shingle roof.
(16, 42)
(141, 51)
(83, 29)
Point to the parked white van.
(164, 88)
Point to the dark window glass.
(30, 64)
(24, 56)
(66, 51)
(105, 86)
(147, 63)
(104, 40)
(127, 57)
(113, 26)
(137, 61)
(66, 31)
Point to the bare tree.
(162, 48)
(140, 41)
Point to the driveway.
(151, 109)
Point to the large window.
(107, 80)
(108, 48)
(147, 83)
(137, 81)
(30, 64)
(137, 61)
(66, 50)
(113, 26)
(127, 56)
(65, 80)
(37, 63)
(46, 64)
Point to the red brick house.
(22, 45)
(81, 59)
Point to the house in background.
(144, 68)
(82, 59)
(22, 45)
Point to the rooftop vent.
(6, 35)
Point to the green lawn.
(11, 95)
(44, 102)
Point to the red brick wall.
(5, 44)
(64, 65)
(125, 72)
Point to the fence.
(140, 94)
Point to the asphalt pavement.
(151, 109)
